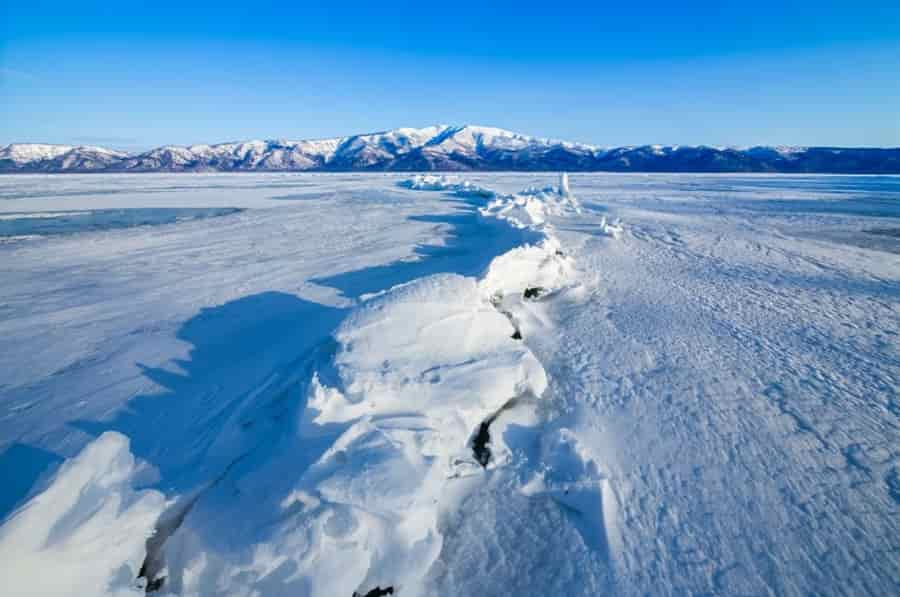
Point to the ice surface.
(686, 384)
(37, 224)
(443, 182)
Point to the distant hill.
(446, 148)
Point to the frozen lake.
(721, 410)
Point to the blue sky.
(136, 74)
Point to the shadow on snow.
(471, 244)
(240, 386)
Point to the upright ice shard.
(564, 184)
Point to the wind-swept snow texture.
(86, 533)
(366, 385)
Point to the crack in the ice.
(154, 562)
(534, 292)
(166, 525)
(481, 442)
(376, 592)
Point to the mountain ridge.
(445, 148)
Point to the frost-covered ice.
(443, 182)
(451, 386)
(37, 224)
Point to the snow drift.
(409, 404)
(86, 533)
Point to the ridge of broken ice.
(404, 401)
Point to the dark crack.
(155, 561)
(482, 439)
(376, 592)
(534, 292)
(480, 442)
(166, 525)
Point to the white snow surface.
(443, 182)
(86, 533)
(683, 384)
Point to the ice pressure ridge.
(408, 403)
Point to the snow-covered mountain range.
(445, 147)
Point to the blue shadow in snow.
(472, 243)
(22, 466)
(236, 393)
(214, 406)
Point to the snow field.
(719, 411)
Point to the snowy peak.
(57, 158)
(444, 147)
(28, 152)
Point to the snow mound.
(86, 533)
(431, 182)
(613, 228)
(404, 422)
(415, 373)
(436, 344)
(531, 207)
(418, 375)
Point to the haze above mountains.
(446, 148)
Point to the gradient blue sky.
(136, 74)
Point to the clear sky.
(137, 74)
